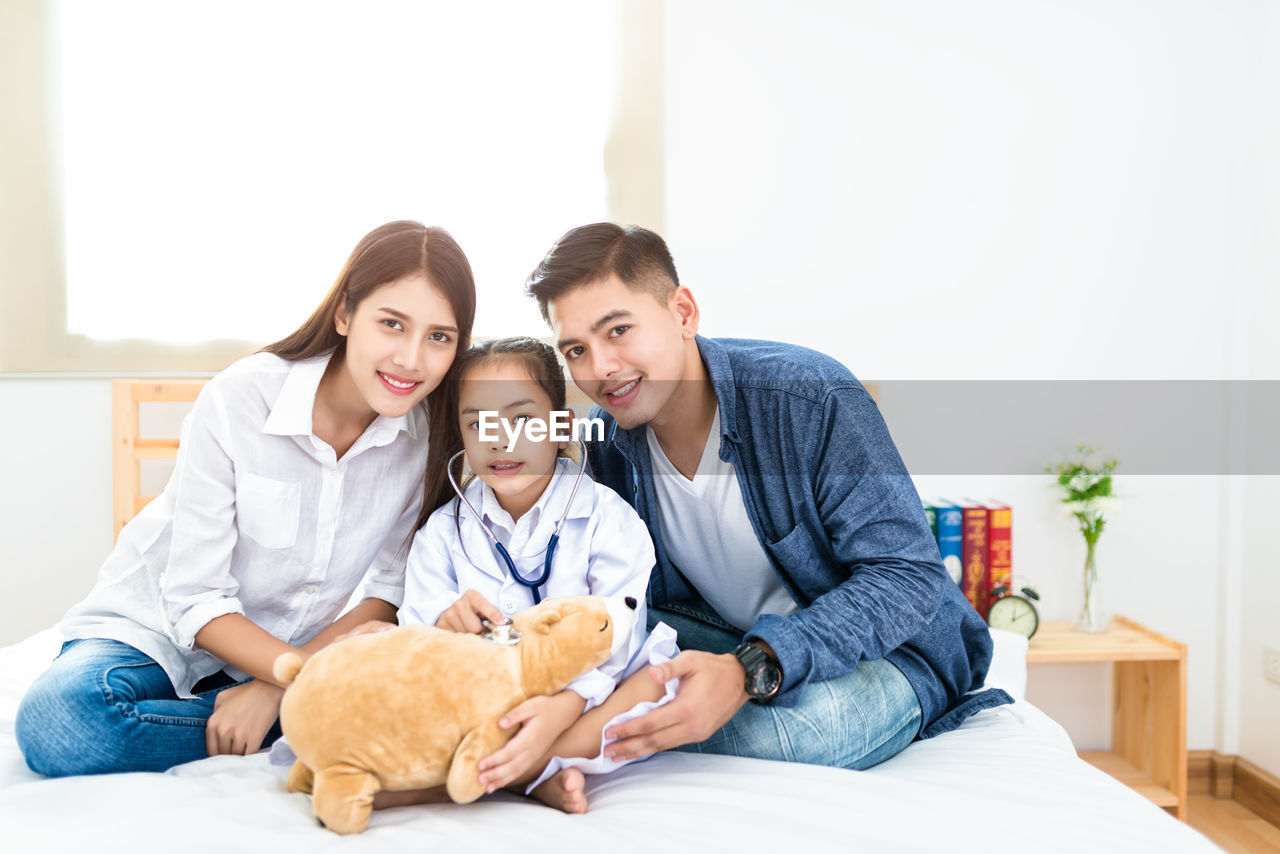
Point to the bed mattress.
(1008, 778)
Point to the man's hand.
(242, 715)
(541, 720)
(712, 689)
(464, 615)
(368, 628)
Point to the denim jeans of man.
(104, 707)
(854, 721)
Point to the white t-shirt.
(604, 550)
(709, 538)
(259, 518)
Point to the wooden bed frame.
(129, 447)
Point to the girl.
(300, 471)
(456, 577)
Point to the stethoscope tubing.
(534, 583)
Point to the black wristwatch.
(764, 674)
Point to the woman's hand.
(368, 628)
(464, 615)
(242, 716)
(541, 720)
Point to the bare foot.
(564, 790)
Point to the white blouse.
(604, 549)
(259, 518)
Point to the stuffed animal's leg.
(343, 797)
(463, 783)
(300, 778)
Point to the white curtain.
(222, 159)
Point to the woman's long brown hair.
(391, 252)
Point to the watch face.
(1013, 614)
(766, 681)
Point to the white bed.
(1006, 780)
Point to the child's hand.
(541, 720)
(464, 615)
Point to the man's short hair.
(589, 253)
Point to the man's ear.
(546, 621)
(685, 307)
(341, 321)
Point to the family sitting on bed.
(788, 547)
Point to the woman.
(300, 471)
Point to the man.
(817, 621)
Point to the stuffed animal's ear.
(546, 621)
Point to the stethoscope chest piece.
(503, 635)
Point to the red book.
(999, 544)
(976, 583)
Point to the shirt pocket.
(802, 562)
(267, 510)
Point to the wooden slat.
(128, 447)
(171, 391)
(155, 449)
(124, 432)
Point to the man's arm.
(874, 526)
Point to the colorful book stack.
(975, 541)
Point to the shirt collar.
(550, 503)
(293, 407)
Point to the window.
(212, 164)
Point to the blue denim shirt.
(840, 520)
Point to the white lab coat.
(604, 550)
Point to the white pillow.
(1008, 663)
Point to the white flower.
(1082, 482)
(1107, 505)
(1078, 508)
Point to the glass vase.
(1092, 616)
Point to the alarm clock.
(1014, 612)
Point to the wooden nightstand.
(1149, 704)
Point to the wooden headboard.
(129, 447)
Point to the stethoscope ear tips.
(630, 602)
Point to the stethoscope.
(534, 583)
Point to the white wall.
(55, 509)
(1259, 730)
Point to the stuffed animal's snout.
(622, 616)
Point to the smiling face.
(401, 340)
(627, 350)
(519, 476)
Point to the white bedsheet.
(1008, 778)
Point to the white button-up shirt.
(259, 518)
(604, 550)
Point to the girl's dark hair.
(537, 357)
(391, 252)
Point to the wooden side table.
(1149, 704)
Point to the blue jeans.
(104, 707)
(855, 721)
